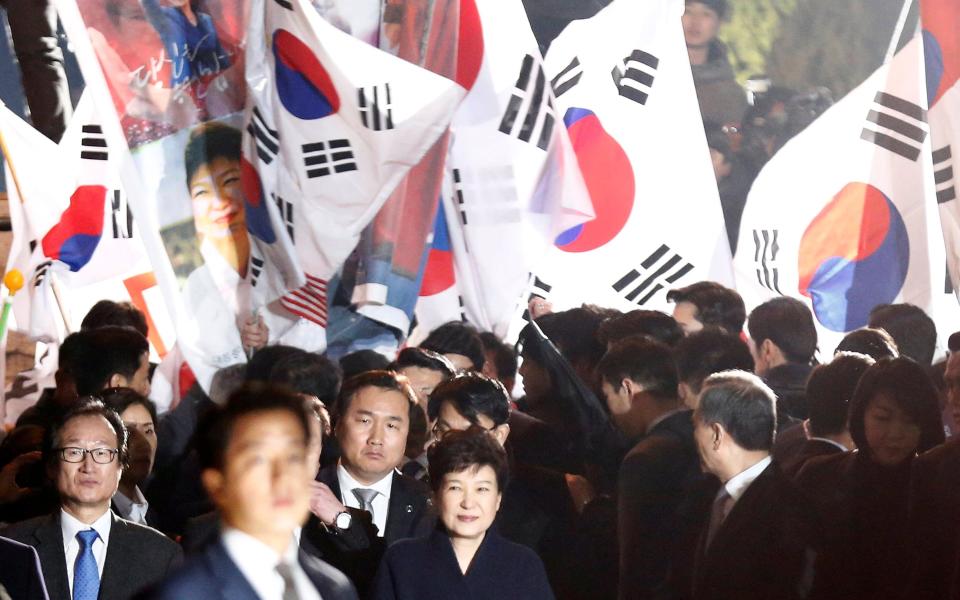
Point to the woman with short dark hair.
(464, 557)
(862, 496)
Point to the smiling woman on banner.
(464, 557)
(230, 269)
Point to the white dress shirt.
(258, 563)
(132, 509)
(381, 503)
(70, 527)
(737, 485)
(829, 441)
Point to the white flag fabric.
(842, 216)
(623, 83)
(514, 183)
(333, 126)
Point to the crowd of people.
(703, 454)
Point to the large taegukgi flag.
(844, 215)
(941, 45)
(623, 85)
(74, 237)
(334, 125)
(514, 182)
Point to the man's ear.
(212, 480)
(117, 380)
(685, 392)
(719, 433)
(502, 432)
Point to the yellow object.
(13, 280)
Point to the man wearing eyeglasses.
(87, 552)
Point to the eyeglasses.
(102, 456)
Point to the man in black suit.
(639, 380)
(369, 505)
(21, 576)
(87, 552)
(829, 391)
(760, 537)
(254, 455)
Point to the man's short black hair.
(830, 388)
(717, 6)
(574, 333)
(872, 341)
(472, 394)
(72, 351)
(716, 304)
(424, 359)
(708, 351)
(653, 323)
(216, 426)
(912, 329)
(456, 337)
(208, 142)
(461, 450)
(909, 386)
(261, 363)
(121, 314)
(308, 373)
(504, 356)
(645, 361)
(362, 361)
(743, 404)
(89, 406)
(121, 398)
(384, 380)
(111, 350)
(788, 323)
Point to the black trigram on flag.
(943, 175)
(121, 216)
(309, 302)
(660, 268)
(896, 125)
(256, 267)
(376, 108)
(463, 310)
(538, 289)
(529, 114)
(93, 144)
(286, 213)
(40, 273)
(567, 78)
(634, 77)
(267, 139)
(325, 158)
(766, 246)
(284, 4)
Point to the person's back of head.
(120, 314)
(111, 351)
(574, 333)
(423, 359)
(73, 350)
(788, 324)
(743, 406)
(714, 305)
(646, 362)
(913, 330)
(362, 361)
(261, 363)
(705, 352)
(472, 395)
(308, 373)
(457, 339)
(653, 323)
(874, 342)
(501, 357)
(830, 389)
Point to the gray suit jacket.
(137, 556)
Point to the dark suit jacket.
(933, 526)
(21, 575)
(427, 569)
(654, 479)
(212, 575)
(137, 556)
(791, 465)
(765, 547)
(357, 551)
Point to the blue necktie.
(86, 578)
